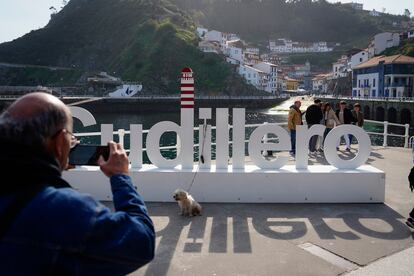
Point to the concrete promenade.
(292, 239)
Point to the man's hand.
(117, 162)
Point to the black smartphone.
(87, 154)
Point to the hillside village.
(266, 71)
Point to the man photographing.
(46, 226)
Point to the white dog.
(188, 206)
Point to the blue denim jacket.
(63, 232)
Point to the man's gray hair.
(33, 131)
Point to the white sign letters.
(256, 145)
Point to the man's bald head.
(37, 117)
(35, 104)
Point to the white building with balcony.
(384, 76)
(271, 71)
(254, 76)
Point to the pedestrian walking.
(294, 119)
(330, 119)
(359, 118)
(314, 116)
(345, 118)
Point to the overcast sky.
(18, 17)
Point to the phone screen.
(88, 154)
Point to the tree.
(407, 13)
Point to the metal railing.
(386, 134)
(120, 133)
(166, 97)
(373, 99)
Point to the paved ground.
(292, 239)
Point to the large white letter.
(256, 146)
(153, 145)
(239, 118)
(331, 141)
(222, 138)
(187, 138)
(204, 138)
(303, 134)
(83, 115)
(135, 145)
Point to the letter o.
(331, 142)
(256, 146)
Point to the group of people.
(323, 113)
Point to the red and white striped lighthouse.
(187, 88)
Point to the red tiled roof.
(396, 59)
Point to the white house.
(356, 6)
(209, 47)
(320, 83)
(234, 51)
(410, 34)
(340, 68)
(359, 58)
(253, 76)
(213, 35)
(382, 41)
(271, 71)
(374, 13)
(201, 32)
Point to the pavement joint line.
(377, 260)
(329, 256)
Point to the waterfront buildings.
(383, 76)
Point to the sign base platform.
(317, 184)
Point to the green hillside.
(140, 40)
(300, 20)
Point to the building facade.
(359, 58)
(383, 41)
(271, 71)
(383, 76)
(253, 76)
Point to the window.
(359, 83)
(373, 83)
(360, 59)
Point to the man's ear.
(60, 141)
(54, 146)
